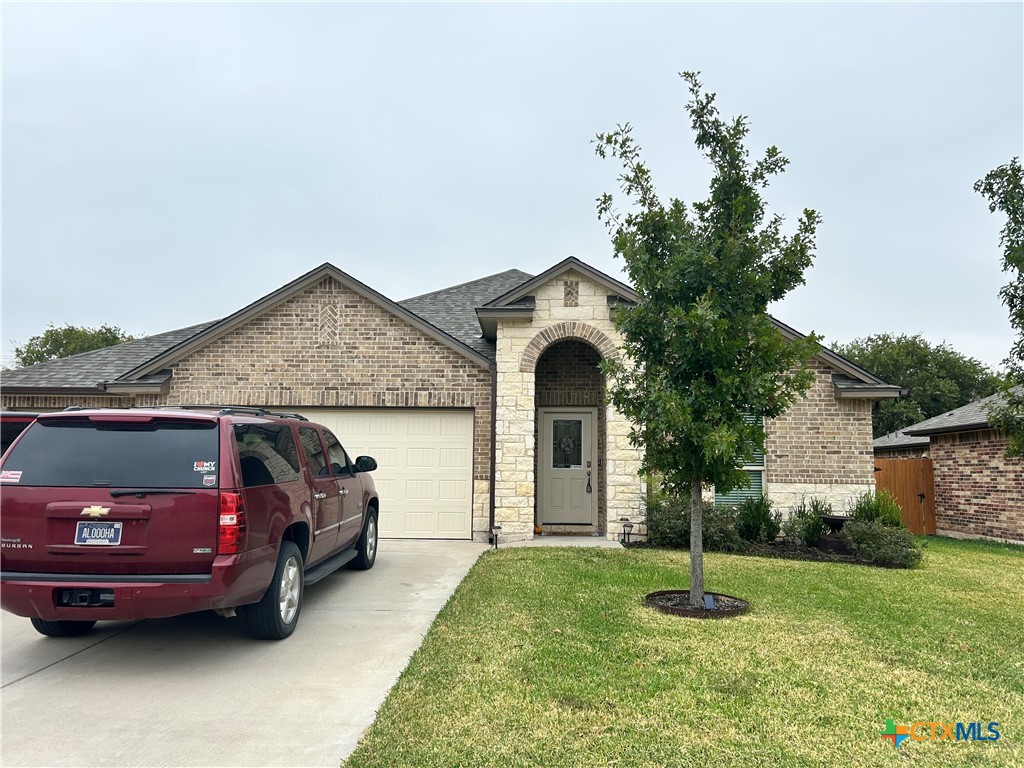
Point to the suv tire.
(277, 614)
(62, 628)
(366, 548)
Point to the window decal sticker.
(205, 466)
(10, 476)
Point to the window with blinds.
(755, 474)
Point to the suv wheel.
(366, 549)
(277, 614)
(62, 628)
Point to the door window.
(567, 444)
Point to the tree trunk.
(696, 546)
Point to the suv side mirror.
(365, 464)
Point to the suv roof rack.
(224, 410)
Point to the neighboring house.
(979, 493)
(483, 403)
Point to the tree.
(1004, 190)
(939, 378)
(55, 343)
(706, 363)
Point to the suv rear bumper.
(234, 580)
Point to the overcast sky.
(167, 164)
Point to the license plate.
(105, 534)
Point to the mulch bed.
(677, 603)
(786, 550)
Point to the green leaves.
(706, 354)
(1003, 187)
(68, 340)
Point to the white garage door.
(424, 471)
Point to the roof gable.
(572, 263)
(283, 294)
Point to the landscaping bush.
(755, 521)
(880, 507)
(881, 544)
(804, 524)
(668, 524)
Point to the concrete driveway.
(196, 691)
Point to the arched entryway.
(570, 440)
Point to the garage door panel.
(424, 476)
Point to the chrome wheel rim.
(290, 590)
(371, 539)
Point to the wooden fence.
(910, 482)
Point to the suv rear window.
(168, 453)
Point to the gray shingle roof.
(900, 439)
(453, 310)
(88, 369)
(971, 416)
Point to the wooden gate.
(910, 482)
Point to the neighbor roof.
(900, 439)
(964, 419)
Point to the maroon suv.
(142, 513)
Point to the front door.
(567, 467)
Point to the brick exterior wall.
(327, 347)
(978, 491)
(568, 375)
(820, 447)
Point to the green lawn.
(547, 657)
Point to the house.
(483, 403)
(979, 492)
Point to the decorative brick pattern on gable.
(978, 491)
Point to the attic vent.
(572, 293)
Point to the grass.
(547, 657)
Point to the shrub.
(804, 524)
(880, 507)
(668, 524)
(881, 544)
(755, 521)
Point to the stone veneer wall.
(978, 491)
(568, 375)
(820, 447)
(520, 344)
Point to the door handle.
(344, 491)
(319, 495)
(590, 488)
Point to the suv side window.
(314, 451)
(266, 454)
(339, 459)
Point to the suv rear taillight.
(231, 534)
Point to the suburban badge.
(95, 511)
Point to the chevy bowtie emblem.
(95, 512)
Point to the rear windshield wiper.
(140, 492)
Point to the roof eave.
(490, 316)
(572, 262)
(927, 431)
(868, 393)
